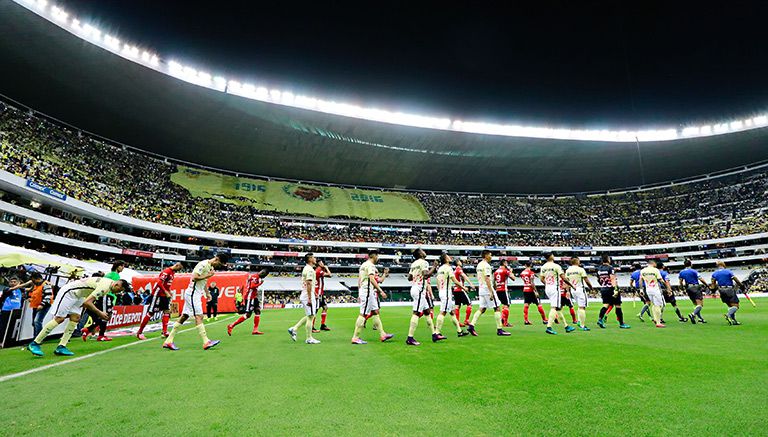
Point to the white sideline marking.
(73, 360)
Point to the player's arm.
(458, 284)
(703, 281)
(589, 284)
(488, 283)
(615, 284)
(383, 276)
(91, 306)
(668, 286)
(466, 280)
(565, 280)
(372, 280)
(327, 271)
(739, 283)
(308, 287)
(164, 287)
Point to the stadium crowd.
(139, 185)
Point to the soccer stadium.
(202, 249)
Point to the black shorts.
(321, 303)
(159, 302)
(694, 292)
(565, 302)
(530, 298)
(461, 298)
(606, 293)
(251, 305)
(503, 297)
(728, 295)
(670, 298)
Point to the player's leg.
(697, 310)
(417, 295)
(168, 343)
(149, 310)
(324, 315)
(256, 319)
(412, 325)
(525, 313)
(485, 303)
(207, 342)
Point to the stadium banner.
(300, 198)
(227, 282)
(139, 253)
(125, 315)
(46, 190)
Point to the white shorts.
(446, 302)
(488, 301)
(67, 303)
(579, 298)
(193, 303)
(310, 306)
(655, 297)
(554, 298)
(420, 300)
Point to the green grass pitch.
(683, 380)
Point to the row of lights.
(250, 91)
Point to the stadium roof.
(60, 75)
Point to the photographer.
(40, 295)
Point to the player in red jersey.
(530, 295)
(460, 297)
(500, 278)
(251, 303)
(321, 272)
(161, 300)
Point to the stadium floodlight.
(705, 130)
(760, 120)
(41, 4)
(737, 125)
(261, 93)
(720, 128)
(691, 131)
(112, 42)
(130, 51)
(59, 14)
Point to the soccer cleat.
(292, 332)
(507, 325)
(683, 320)
(692, 319)
(601, 323)
(104, 338)
(557, 321)
(584, 328)
(438, 337)
(63, 351)
(312, 341)
(702, 320)
(463, 324)
(471, 330)
(412, 342)
(727, 319)
(735, 322)
(386, 337)
(229, 330)
(166, 334)
(359, 341)
(84, 334)
(463, 334)
(35, 349)
(502, 333)
(210, 344)
(141, 336)
(324, 328)
(624, 326)
(551, 331)
(663, 322)
(569, 328)
(256, 332)
(545, 322)
(640, 316)
(170, 346)
(315, 331)
(527, 323)
(661, 325)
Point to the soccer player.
(379, 280)
(565, 301)
(68, 304)
(689, 281)
(308, 298)
(669, 296)
(193, 301)
(500, 278)
(161, 300)
(634, 282)
(460, 296)
(551, 275)
(251, 304)
(651, 280)
(578, 277)
(530, 294)
(487, 295)
(419, 275)
(609, 292)
(367, 288)
(322, 271)
(105, 304)
(723, 280)
(446, 275)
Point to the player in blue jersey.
(723, 280)
(634, 282)
(692, 282)
(669, 296)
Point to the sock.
(239, 320)
(525, 313)
(476, 317)
(102, 328)
(505, 316)
(368, 316)
(413, 325)
(582, 317)
(620, 315)
(308, 326)
(732, 312)
(323, 317)
(645, 310)
(656, 313)
(610, 307)
(359, 325)
(573, 315)
(677, 311)
(166, 319)
(71, 326)
(456, 323)
(430, 323)
(552, 316)
(467, 313)
(173, 333)
(603, 310)
(50, 326)
(377, 322)
(456, 312)
(562, 317)
(203, 334)
(256, 320)
(497, 316)
(697, 311)
(439, 324)
(144, 322)
(541, 311)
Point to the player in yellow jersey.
(69, 303)
(578, 277)
(551, 274)
(367, 289)
(445, 275)
(487, 295)
(309, 299)
(651, 279)
(421, 293)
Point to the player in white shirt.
(421, 293)
(69, 303)
(487, 295)
(368, 288)
(308, 298)
(445, 276)
(551, 274)
(651, 279)
(193, 300)
(578, 277)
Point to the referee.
(212, 305)
(723, 280)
